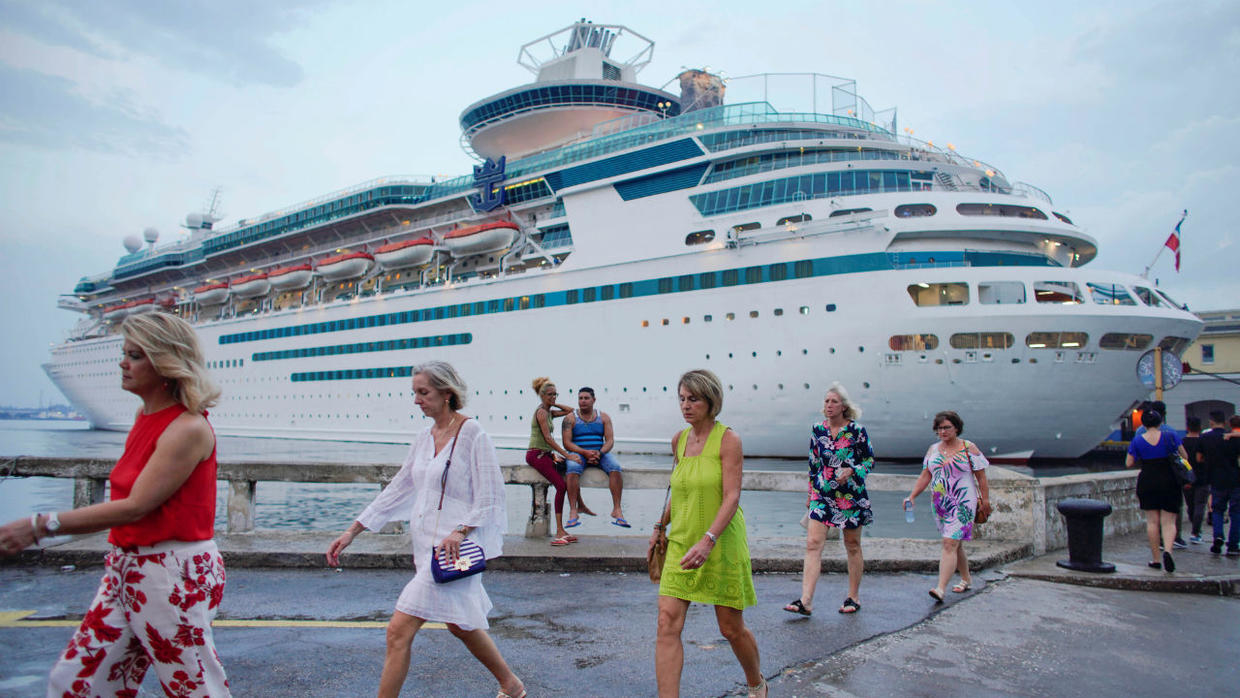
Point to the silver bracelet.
(34, 526)
(713, 538)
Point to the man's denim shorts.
(606, 461)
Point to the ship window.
(1005, 210)
(1175, 345)
(523, 303)
(1125, 340)
(699, 237)
(1056, 340)
(665, 284)
(982, 340)
(848, 212)
(779, 272)
(607, 292)
(753, 313)
(570, 297)
(799, 218)
(746, 226)
(753, 275)
(685, 283)
(1065, 292)
(913, 342)
(830, 307)
(730, 316)
(951, 293)
(1148, 297)
(805, 310)
(510, 302)
(1000, 292)
(1170, 300)
(587, 295)
(730, 277)
(803, 269)
(779, 311)
(1109, 294)
(1062, 217)
(708, 318)
(626, 290)
(706, 280)
(915, 210)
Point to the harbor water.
(312, 506)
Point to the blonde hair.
(851, 411)
(704, 385)
(173, 348)
(444, 378)
(540, 383)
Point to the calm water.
(333, 507)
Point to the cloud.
(46, 111)
(231, 40)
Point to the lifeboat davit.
(479, 239)
(288, 278)
(211, 294)
(407, 253)
(142, 306)
(346, 266)
(121, 310)
(251, 286)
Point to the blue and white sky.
(121, 115)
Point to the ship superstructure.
(615, 235)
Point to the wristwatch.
(53, 523)
(713, 538)
(461, 529)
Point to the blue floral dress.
(843, 505)
(953, 489)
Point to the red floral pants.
(154, 607)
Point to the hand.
(575, 458)
(16, 536)
(451, 545)
(840, 477)
(592, 457)
(696, 557)
(908, 502)
(337, 547)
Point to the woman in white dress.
(473, 507)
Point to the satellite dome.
(150, 235)
(133, 243)
(193, 220)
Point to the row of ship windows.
(777, 312)
(1057, 292)
(442, 340)
(1128, 341)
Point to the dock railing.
(1024, 506)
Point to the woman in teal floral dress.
(955, 470)
(839, 459)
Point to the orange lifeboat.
(142, 306)
(480, 239)
(211, 294)
(345, 266)
(121, 310)
(250, 286)
(406, 253)
(288, 278)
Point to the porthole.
(753, 313)
(860, 350)
(804, 310)
(730, 316)
(645, 323)
(755, 386)
(806, 386)
(778, 312)
(866, 385)
(684, 320)
(708, 318)
(665, 322)
(729, 355)
(779, 352)
(699, 237)
(781, 386)
(755, 354)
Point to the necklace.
(444, 432)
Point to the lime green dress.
(697, 492)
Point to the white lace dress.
(474, 497)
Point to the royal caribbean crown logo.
(487, 177)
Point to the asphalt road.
(593, 635)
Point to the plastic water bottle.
(908, 512)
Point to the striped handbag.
(471, 559)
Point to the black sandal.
(850, 606)
(798, 608)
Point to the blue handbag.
(471, 559)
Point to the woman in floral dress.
(840, 457)
(955, 470)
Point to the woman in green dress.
(707, 553)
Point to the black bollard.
(1083, 518)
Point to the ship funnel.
(700, 90)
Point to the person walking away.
(840, 458)
(588, 433)
(1158, 491)
(1222, 451)
(707, 551)
(955, 471)
(1196, 495)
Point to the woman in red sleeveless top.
(164, 578)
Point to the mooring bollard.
(1083, 517)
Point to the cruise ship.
(615, 235)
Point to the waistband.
(175, 546)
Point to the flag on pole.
(1173, 241)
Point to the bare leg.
(669, 652)
(962, 565)
(856, 563)
(400, 632)
(815, 537)
(615, 482)
(1151, 534)
(1167, 519)
(744, 645)
(480, 644)
(574, 493)
(947, 563)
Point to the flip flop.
(938, 598)
(573, 522)
(570, 538)
(850, 606)
(962, 587)
(619, 521)
(799, 608)
(563, 540)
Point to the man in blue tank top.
(587, 432)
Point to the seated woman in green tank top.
(707, 551)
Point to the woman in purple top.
(1158, 491)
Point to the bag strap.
(443, 479)
(664, 514)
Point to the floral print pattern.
(844, 505)
(953, 489)
(150, 610)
